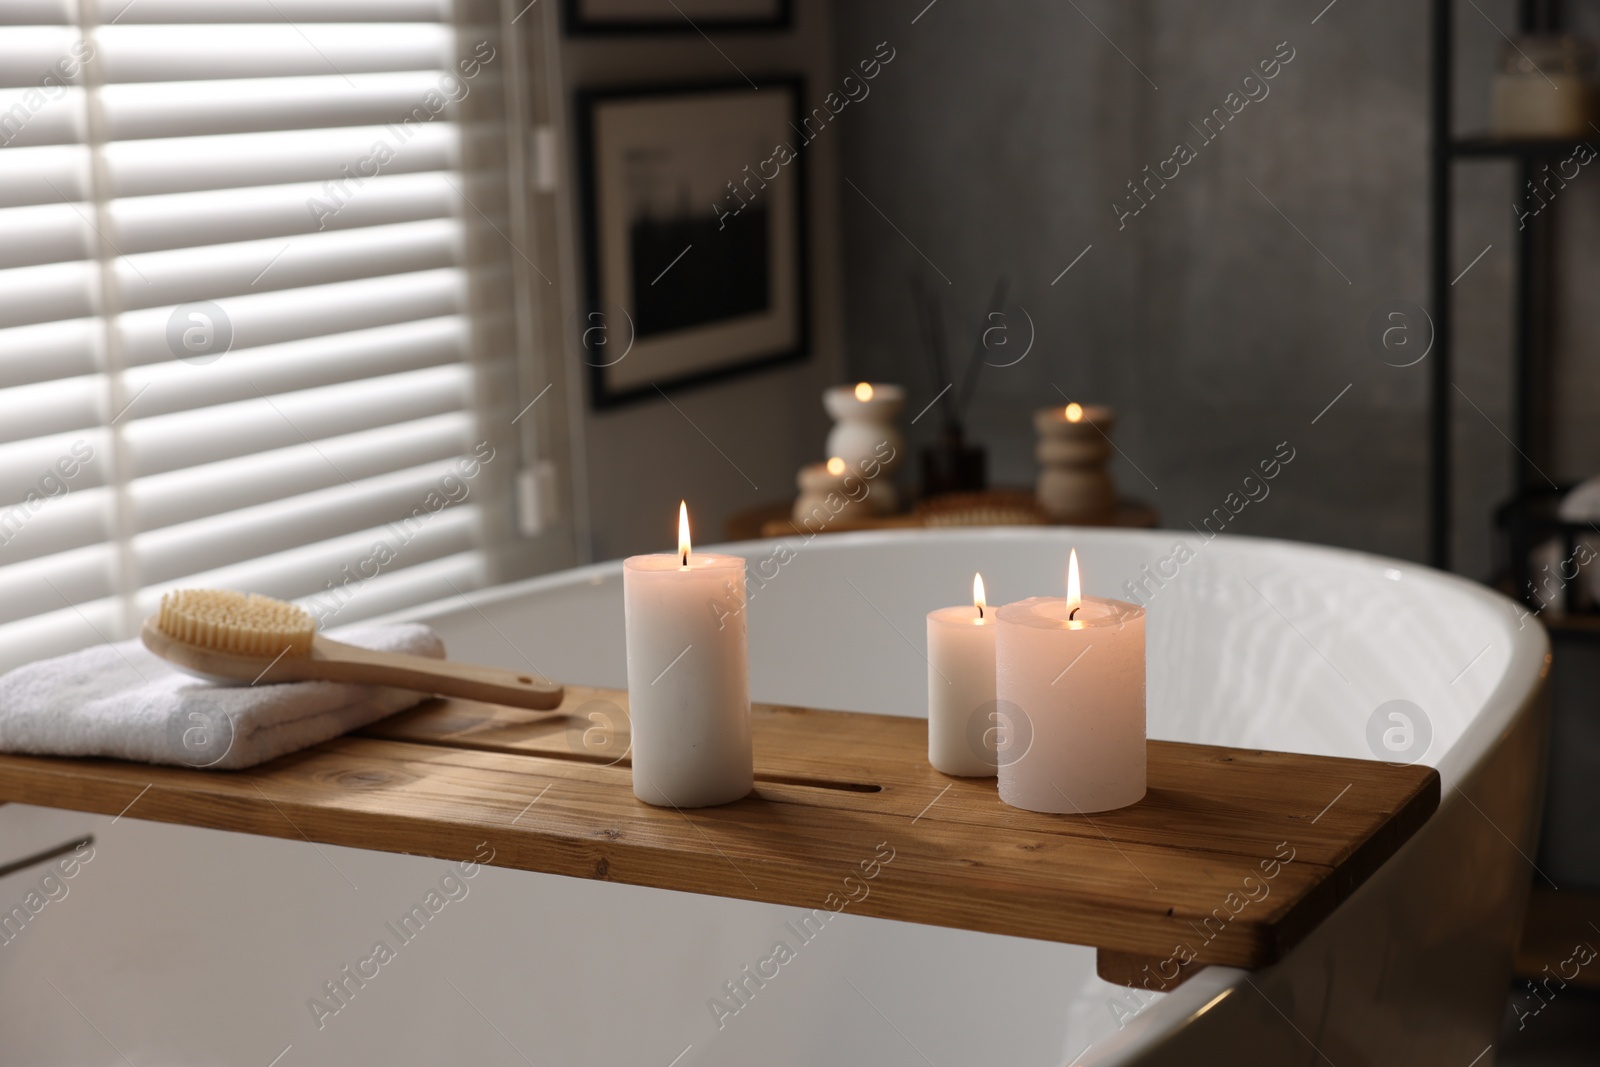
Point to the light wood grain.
(335, 661)
(551, 792)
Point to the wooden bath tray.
(847, 814)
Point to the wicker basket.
(989, 507)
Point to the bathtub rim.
(1530, 645)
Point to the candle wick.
(980, 611)
(686, 557)
(1072, 613)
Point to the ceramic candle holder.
(865, 433)
(1074, 484)
(831, 496)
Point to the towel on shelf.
(125, 702)
(1582, 504)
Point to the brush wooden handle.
(335, 661)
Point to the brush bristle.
(244, 624)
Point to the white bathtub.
(179, 945)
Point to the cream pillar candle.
(961, 687)
(688, 676)
(1070, 674)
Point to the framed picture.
(676, 16)
(695, 235)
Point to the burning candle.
(688, 676)
(961, 733)
(1070, 678)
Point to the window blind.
(243, 341)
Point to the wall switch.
(538, 507)
(544, 169)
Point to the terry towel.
(125, 702)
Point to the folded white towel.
(1582, 504)
(122, 701)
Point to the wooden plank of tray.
(1234, 853)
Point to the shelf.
(775, 520)
(1487, 147)
(1571, 625)
(846, 814)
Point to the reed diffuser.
(950, 464)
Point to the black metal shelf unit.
(1530, 317)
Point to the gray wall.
(1000, 136)
(734, 444)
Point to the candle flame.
(683, 531)
(863, 391)
(1074, 594)
(1074, 411)
(836, 466)
(978, 599)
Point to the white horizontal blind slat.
(29, 56)
(70, 518)
(48, 292)
(48, 350)
(162, 279)
(336, 564)
(290, 170)
(421, 583)
(36, 115)
(44, 233)
(155, 12)
(38, 12)
(222, 216)
(272, 317)
(65, 629)
(177, 385)
(273, 49)
(51, 174)
(42, 585)
(228, 485)
(33, 466)
(187, 439)
(405, 497)
(313, 101)
(51, 407)
(181, 164)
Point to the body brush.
(244, 639)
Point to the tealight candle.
(688, 676)
(1070, 675)
(961, 735)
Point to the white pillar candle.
(961, 733)
(1070, 675)
(688, 676)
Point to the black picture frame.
(610, 388)
(579, 23)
